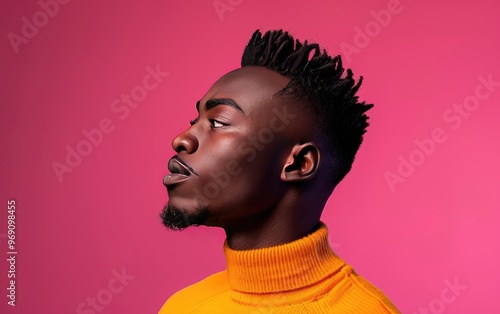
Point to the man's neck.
(273, 227)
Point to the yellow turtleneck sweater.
(303, 276)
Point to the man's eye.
(193, 121)
(216, 124)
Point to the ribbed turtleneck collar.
(285, 267)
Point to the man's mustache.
(183, 163)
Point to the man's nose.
(186, 141)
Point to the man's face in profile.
(228, 164)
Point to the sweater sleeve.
(191, 298)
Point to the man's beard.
(176, 219)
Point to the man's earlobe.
(302, 163)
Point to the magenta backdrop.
(418, 215)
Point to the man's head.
(280, 132)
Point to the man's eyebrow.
(213, 102)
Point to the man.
(271, 141)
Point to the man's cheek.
(233, 168)
(245, 149)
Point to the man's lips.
(174, 178)
(180, 171)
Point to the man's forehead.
(254, 80)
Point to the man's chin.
(178, 219)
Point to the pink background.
(438, 224)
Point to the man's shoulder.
(196, 294)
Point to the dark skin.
(260, 169)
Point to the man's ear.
(302, 163)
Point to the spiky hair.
(316, 79)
